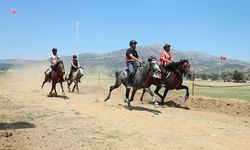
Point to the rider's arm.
(50, 60)
(72, 64)
(134, 58)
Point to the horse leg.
(74, 87)
(77, 88)
(164, 95)
(62, 88)
(45, 80)
(152, 94)
(187, 91)
(157, 92)
(111, 88)
(132, 97)
(143, 92)
(69, 83)
(55, 89)
(127, 95)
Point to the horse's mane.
(177, 64)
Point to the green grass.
(218, 92)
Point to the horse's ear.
(149, 58)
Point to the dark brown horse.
(173, 81)
(56, 77)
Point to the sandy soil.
(31, 120)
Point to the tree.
(237, 76)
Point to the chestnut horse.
(173, 81)
(56, 77)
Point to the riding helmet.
(166, 46)
(132, 42)
(54, 50)
(74, 56)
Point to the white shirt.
(54, 59)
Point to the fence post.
(193, 84)
(99, 78)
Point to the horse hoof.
(156, 104)
(125, 100)
(186, 98)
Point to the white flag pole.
(220, 69)
(77, 38)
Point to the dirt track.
(31, 120)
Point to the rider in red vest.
(166, 59)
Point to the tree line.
(235, 76)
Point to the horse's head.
(185, 67)
(60, 66)
(80, 71)
(154, 65)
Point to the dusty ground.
(31, 120)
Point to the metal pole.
(99, 78)
(77, 36)
(193, 84)
(219, 70)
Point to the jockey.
(53, 59)
(166, 59)
(74, 65)
(132, 60)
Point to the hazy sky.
(217, 27)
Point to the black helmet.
(54, 50)
(74, 56)
(166, 46)
(132, 42)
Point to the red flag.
(223, 58)
(12, 10)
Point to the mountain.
(13, 63)
(200, 62)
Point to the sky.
(216, 27)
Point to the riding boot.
(163, 80)
(50, 76)
(129, 81)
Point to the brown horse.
(56, 77)
(173, 81)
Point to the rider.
(54, 58)
(166, 59)
(74, 65)
(132, 60)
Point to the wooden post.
(99, 78)
(193, 84)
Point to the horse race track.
(29, 120)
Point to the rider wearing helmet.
(166, 59)
(53, 59)
(74, 65)
(132, 60)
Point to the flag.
(12, 10)
(223, 58)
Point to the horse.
(56, 77)
(140, 77)
(76, 76)
(173, 81)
